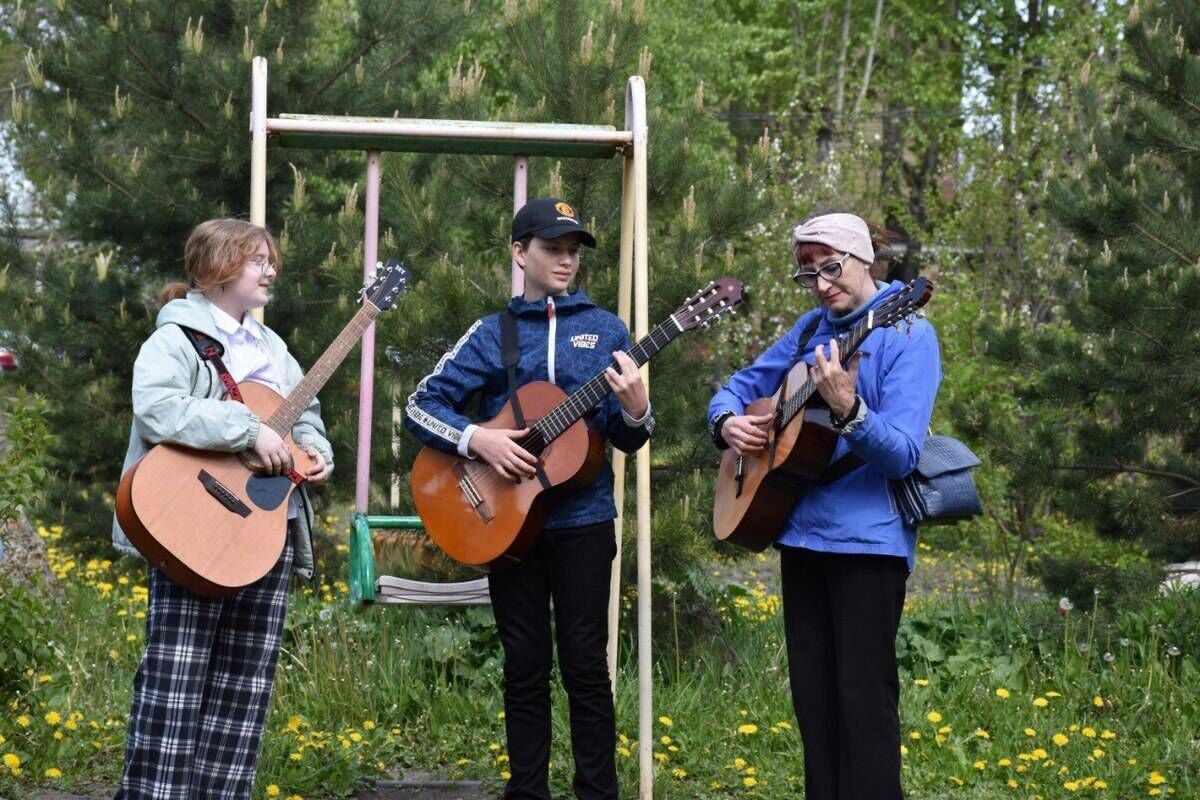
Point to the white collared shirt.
(247, 359)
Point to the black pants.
(571, 566)
(841, 613)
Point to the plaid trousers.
(200, 695)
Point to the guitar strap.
(849, 462)
(209, 349)
(510, 354)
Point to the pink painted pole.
(366, 390)
(520, 192)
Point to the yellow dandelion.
(749, 782)
(982, 734)
(739, 763)
(980, 764)
(1089, 732)
(747, 729)
(23, 721)
(505, 774)
(1097, 753)
(1107, 734)
(1039, 754)
(272, 791)
(1098, 701)
(53, 772)
(1041, 702)
(1030, 732)
(1004, 762)
(915, 735)
(1060, 739)
(934, 717)
(665, 740)
(1053, 694)
(12, 761)
(1012, 784)
(678, 773)
(1002, 693)
(1100, 785)
(1156, 778)
(664, 720)
(921, 682)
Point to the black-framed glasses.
(830, 271)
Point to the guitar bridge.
(471, 493)
(223, 494)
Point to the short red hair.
(810, 252)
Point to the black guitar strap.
(209, 349)
(849, 462)
(510, 354)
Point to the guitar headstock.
(387, 283)
(707, 305)
(910, 299)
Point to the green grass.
(360, 695)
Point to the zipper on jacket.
(550, 347)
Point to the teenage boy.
(565, 339)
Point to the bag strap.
(849, 462)
(209, 349)
(510, 354)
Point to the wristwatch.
(854, 417)
(714, 429)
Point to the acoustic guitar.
(756, 492)
(480, 518)
(215, 522)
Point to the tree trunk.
(839, 101)
(866, 80)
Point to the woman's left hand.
(627, 385)
(320, 471)
(835, 384)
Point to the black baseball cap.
(549, 218)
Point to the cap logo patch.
(564, 209)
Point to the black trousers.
(841, 613)
(570, 566)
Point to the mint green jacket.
(177, 398)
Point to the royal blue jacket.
(568, 348)
(898, 378)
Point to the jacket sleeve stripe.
(421, 417)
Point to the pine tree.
(1115, 383)
(132, 125)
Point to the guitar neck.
(588, 396)
(298, 400)
(846, 349)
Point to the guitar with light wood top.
(483, 519)
(756, 491)
(215, 522)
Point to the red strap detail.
(550, 309)
(294, 477)
(231, 386)
(211, 352)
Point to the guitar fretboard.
(847, 348)
(588, 396)
(290, 409)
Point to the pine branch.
(1118, 467)
(170, 99)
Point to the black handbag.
(940, 491)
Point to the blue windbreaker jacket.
(567, 349)
(898, 379)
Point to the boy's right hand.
(497, 446)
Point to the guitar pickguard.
(268, 491)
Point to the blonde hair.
(215, 253)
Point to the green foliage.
(25, 441)
(1113, 437)
(130, 124)
(359, 694)
(23, 643)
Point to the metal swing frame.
(520, 140)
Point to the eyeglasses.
(830, 271)
(262, 265)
